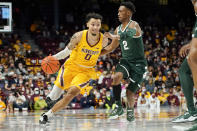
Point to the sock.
(55, 93)
(187, 84)
(50, 113)
(117, 93)
(129, 108)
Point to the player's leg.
(130, 98)
(118, 110)
(72, 92)
(192, 62)
(137, 71)
(131, 90)
(64, 78)
(187, 87)
(121, 72)
(53, 96)
(78, 82)
(136, 77)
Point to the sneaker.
(43, 119)
(186, 117)
(130, 115)
(117, 112)
(50, 103)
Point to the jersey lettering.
(88, 56)
(125, 45)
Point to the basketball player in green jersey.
(188, 74)
(132, 63)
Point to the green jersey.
(194, 33)
(132, 47)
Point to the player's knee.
(117, 78)
(130, 93)
(73, 91)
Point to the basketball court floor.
(96, 120)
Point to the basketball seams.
(47, 67)
(44, 64)
(51, 69)
(55, 64)
(54, 67)
(53, 60)
(50, 65)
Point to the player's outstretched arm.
(114, 44)
(71, 45)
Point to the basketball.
(50, 65)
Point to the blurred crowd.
(24, 86)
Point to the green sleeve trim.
(129, 33)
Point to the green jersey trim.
(120, 27)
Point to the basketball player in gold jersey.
(84, 49)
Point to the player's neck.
(92, 39)
(124, 23)
(93, 36)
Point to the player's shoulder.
(77, 36)
(134, 24)
(79, 33)
(116, 30)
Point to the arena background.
(43, 27)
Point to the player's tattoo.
(105, 41)
(74, 36)
(74, 41)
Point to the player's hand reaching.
(184, 50)
(111, 36)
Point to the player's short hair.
(129, 5)
(93, 15)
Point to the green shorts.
(185, 67)
(133, 72)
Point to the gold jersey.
(84, 54)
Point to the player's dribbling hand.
(52, 56)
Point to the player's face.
(194, 2)
(123, 13)
(94, 25)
